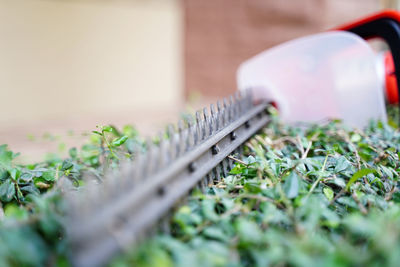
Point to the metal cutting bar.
(98, 230)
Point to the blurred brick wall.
(220, 34)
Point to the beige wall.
(71, 58)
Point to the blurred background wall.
(69, 58)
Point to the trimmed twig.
(318, 180)
(238, 160)
(258, 197)
(390, 194)
(222, 186)
(346, 138)
(300, 145)
(312, 139)
(231, 211)
(341, 192)
(360, 205)
(249, 145)
(304, 155)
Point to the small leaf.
(97, 132)
(107, 129)
(26, 177)
(30, 189)
(119, 141)
(358, 175)
(49, 175)
(208, 210)
(342, 164)
(328, 192)
(130, 130)
(15, 173)
(252, 186)
(248, 232)
(339, 182)
(216, 234)
(291, 186)
(66, 165)
(237, 169)
(6, 156)
(38, 172)
(7, 191)
(249, 160)
(73, 153)
(355, 138)
(12, 210)
(387, 171)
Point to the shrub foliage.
(300, 196)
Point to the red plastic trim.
(388, 14)
(392, 92)
(391, 75)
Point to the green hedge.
(316, 196)
(310, 196)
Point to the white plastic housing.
(323, 76)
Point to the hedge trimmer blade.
(107, 217)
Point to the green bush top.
(309, 196)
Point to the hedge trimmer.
(328, 75)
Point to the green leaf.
(339, 182)
(396, 197)
(26, 177)
(328, 192)
(291, 185)
(216, 233)
(252, 186)
(355, 138)
(31, 189)
(358, 175)
(66, 165)
(12, 210)
(7, 191)
(387, 171)
(97, 132)
(73, 152)
(248, 231)
(15, 173)
(119, 141)
(238, 169)
(49, 175)
(130, 131)
(107, 129)
(6, 157)
(342, 164)
(208, 210)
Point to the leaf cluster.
(301, 196)
(321, 195)
(31, 200)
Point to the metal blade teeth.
(191, 141)
(172, 142)
(150, 157)
(214, 119)
(179, 141)
(206, 123)
(231, 109)
(176, 142)
(199, 128)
